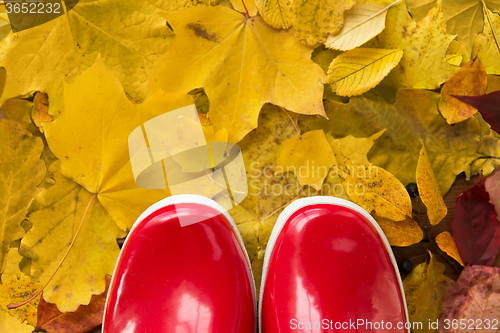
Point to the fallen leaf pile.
(352, 99)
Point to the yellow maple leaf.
(91, 140)
(129, 34)
(378, 192)
(469, 80)
(21, 171)
(308, 156)
(55, 214)
(428, 189)
(424, 44)
(425, 288)
(241, 65)
(446, 242)
(357, 71)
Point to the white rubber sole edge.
(181, 199)
(317, 200)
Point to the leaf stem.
(246, 10)
(485, 9)
(293, 122)
(14, 306)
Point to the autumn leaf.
(465, 18)
(240, 6)
(91, 140)
(476, 227)
(473, 299)
(378, 192)
(400, 233)
(420, 8)
(425, 289)
(55, 214)
(424, 46)
(21, 171)
(309, 156)
(128, 34)
(352, 151)
(446, 243)
(9, 324)
(362, 22)
(428, 189)
(14, 288)
(357, 71)
(485, 47)
(240, 65)
(492, 186)
(312, 20)
(83, 319)
(413, 117)
(488, 105)
(40, 111)
(469, 80)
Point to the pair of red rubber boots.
(184, 269)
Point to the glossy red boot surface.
(328, 269)
(182, 269)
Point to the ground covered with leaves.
(374, 101)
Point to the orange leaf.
(446, 242)
(83, 319)
(40, 111)
(470, 80)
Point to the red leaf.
(474, 298)
(85, 318)
(475, 226)
(488, 105)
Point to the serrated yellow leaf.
(309, 157)
(21, 170)
(357, 71)
(55, 214)
(446, 243)
(400, 233)
(91, 140)
(128, 33)
(378, 192)
(361, 23)
(424, 43)
(9, 324)
(277, 13)
(428, 189)
(241, 66)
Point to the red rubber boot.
(183, 269)
(329, 268)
